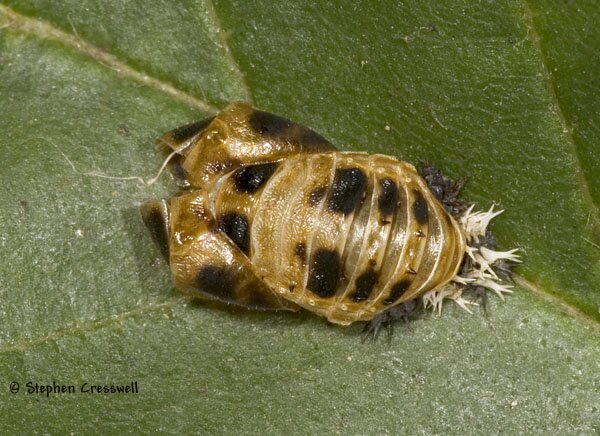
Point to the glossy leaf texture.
(504, 93)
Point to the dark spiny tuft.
(445, 189)
(407, 311)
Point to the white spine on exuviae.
(474, 225)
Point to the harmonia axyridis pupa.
(274, 217)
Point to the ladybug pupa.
(272, 216)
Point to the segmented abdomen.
(345, 235)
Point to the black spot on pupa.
(347, 191)
(300, 251)
(255, 297)
(216, 281)
(388, 198)
(317, 195)
(420, 208)
(183, 133)
(397, 290)
(269, 124)
(250, 178)
(364, 285)
(237, 227)
(176, 168)
(283, 129)
(311, 140)
(154, 217)
(324, 273)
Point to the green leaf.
(505, 94)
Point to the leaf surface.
(504, 94)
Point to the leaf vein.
(91, 326)
(221, 36)
(566, 125)
(557, 300)
(9, 19)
